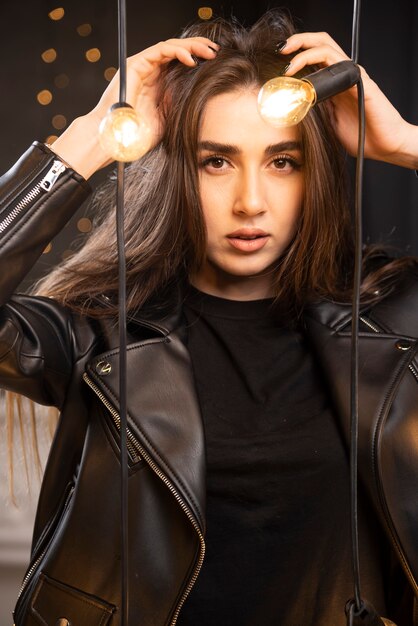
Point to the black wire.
(122, 49)
(120, 192)
(354, 347)
(355, 316)
(355, 38)
(122, 391)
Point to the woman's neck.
(231, 287)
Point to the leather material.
(21, 242)
(388, 406)
(44, 352)
(164, 417)
(54, 603)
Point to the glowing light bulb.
(284, 101)
(123, 135)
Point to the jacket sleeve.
(38, 195)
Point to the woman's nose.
(249, 197)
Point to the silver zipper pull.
(52, 175)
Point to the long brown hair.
(165, 230)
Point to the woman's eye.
(281, 163)
(216, 162)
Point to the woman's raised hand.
(388, 136)
(79, 145)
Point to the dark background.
(388, 50)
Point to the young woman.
(239, 260)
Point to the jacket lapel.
(163, 410)
(383, 360)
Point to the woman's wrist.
(407, 155)
(79, 146)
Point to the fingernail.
(213, 49)
(286, 67)
(280, 46)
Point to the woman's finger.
(320, 55)
(310, 40)
(181, 49)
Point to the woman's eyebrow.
(214, 146)
(283, 145)
(227, 148)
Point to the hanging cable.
(120, 192)
(355, 320)
(359, 611)
(355, 37)
(354, 349)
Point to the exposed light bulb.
(123, 135)
(284, 101)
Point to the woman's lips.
(248, 239)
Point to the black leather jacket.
(56, 357)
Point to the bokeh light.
(93, 55)
(109, 73)
(84, 30)
(51, 138)
(84, 225)
(205, 13)
(44, 97)
(59, 121)
(49, 56)
(67, 254)
(56, 14)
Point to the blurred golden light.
(44, 97)
(84, 30)
(59, 122)
(51, 138)
(124, 135)
(205, 13)
(109, 73)
(49, 56)
(47, 249)
(84, 225)
(284, 101)
(61, 81)
(56, 14)
(93, 55)
(67, 254)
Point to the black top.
(278, 527)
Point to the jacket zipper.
(131, 441)
(143, 453)
(376, 329)
(46, 184)
(369, 324)
(35, 564)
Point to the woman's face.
(251, 190)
